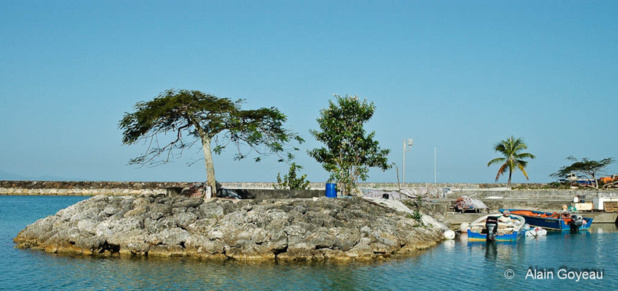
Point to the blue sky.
(455, 75)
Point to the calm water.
(454, 264)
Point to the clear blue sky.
(455, 75)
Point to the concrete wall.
(532, 194)
(80, 191)
(278, 194)
(90, 185)
(481, 191)
(446, 205)
(138, 188)
(229, 185)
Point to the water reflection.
(449, 246)
(603, 228)
(457, 264)
(491, 251)
(494, 250)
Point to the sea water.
(557, 261)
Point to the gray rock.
(133, 237)
(184, 219)
(210, 210)
(288, 229)
(87, 225)
(187, 202)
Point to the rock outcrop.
(221, 229)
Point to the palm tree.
(513, 159)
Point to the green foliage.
(197, 114)
(583, 167)
(192, 116)
(291, 180)
(418, 202)
(513, 157)
(416, 215)
(349, 152)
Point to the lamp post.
(407, 146)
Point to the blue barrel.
(331, 190)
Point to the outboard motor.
(492, 227)
(576, 222)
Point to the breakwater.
(92, 188)
(480, 191)
(54, 188)
(85, 188)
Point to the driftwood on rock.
(221, 229)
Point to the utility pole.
(407, 146)
(435, 166)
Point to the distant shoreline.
(137, 185)
(93, 188)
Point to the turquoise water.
(453, 264)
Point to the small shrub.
(291, 181)
(416, 216)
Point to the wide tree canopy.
(349, 151)
(186, 117)
(584, 167)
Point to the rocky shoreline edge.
(318, 229)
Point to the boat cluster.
(511, 224)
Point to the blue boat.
(554, 221)
(477, 231)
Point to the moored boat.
(554, 221)
(509, 230)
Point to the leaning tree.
(349, 151)
(584, 167)
(192, 116)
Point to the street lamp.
(407, 146)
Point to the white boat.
(499, 230)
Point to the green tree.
(349, 151)
(513, 157)
(585, 167)
(291, 179)
(192, 116)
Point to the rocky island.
(221, 229)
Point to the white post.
(410, 142)
(403, 178)
(208, 192)
(435, 169)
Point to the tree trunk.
(596, 183)
(510, 175)
(210, 166)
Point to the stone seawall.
(551, 194)
(254, 189)
(229, 185)
(245, 189)
(85, 188)
(45, 188)
(79, 192)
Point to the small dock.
(445, 207)
(455, 218)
